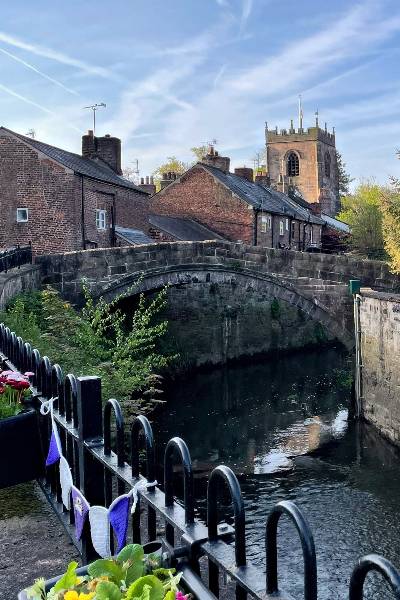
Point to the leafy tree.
(99, 340)
(199, 152)
(362, 210)
(391, 223)
(344, 178)
(173, 164)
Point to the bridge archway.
(236, 283)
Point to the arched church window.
(292, 165)
(327, 164)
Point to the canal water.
(282, 426)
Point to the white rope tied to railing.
(140, 486)
(47, 406)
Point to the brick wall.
(30, 180)
(131, 210)
(53, 196)
(200, 197)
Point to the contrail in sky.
(32, 68)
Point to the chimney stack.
(215, 160)
(263, 179)
(245, 172)
(147, 185)
(167, 178)
(107, 148)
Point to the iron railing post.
(90, 431)
(373, 562)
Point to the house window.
(100, 219)
(281, 228)
(293, 227)
(287, 224)
(293, 165)
(22, 215)
(327, 164)
(311, 235)
(266, 222)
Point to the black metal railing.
(205, 554)
(14, 258)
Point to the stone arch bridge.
(315, 284)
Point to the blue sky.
(177, 73)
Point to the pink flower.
(29, 374)
(180, 596)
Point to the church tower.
(304, 160)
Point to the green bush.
(98, 340)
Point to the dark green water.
(282, 427)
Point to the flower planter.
(149, 548)
(21, 456)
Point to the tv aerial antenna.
(31, 133)
(94, 108)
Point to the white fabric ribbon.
(100, 530)
(66, 482)
(140, 486)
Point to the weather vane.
(95, 107)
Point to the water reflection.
(282, 426)
(257, 417)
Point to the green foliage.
(106, 590)
(99, 340)
(69, 579)
(199, 152)
(148, 587)
(173, 165)
(320, 333)
(275, 309)
(391, 223)
(362, 210)
(344, 178)
(119, 578)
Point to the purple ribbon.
(55, 451)
(118, 514)
(81, 510)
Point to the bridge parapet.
(66, 270)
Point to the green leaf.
(106, 567)
(134, 572)
(68, 580)
(37, 591)
(170, 595)
(136, 590)
(164, 573)
(106, 590)
(133, 552)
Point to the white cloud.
(55, 56)
(247, 7)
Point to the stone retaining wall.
(380, 352)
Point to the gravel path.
(32, 540)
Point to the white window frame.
(311, 235)
(269, 222)
(265, 222)
(101, 219)
(19, 210)
(287, 224)
(281, 229)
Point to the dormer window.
(293, 165)
(327, 164)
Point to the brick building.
(60, 201)
(304, 159)
(233, 206)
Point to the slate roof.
(95, 169)
(262, 197)
(133, 236)
(335, 223)
(184, 229)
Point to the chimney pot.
(107, 135)
(142, 181)
(147, 180)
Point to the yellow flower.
(89, 596)
(72, 595)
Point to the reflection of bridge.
(315, 283)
